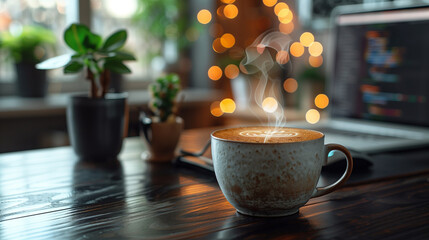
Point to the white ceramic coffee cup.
(273, 179)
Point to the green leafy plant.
(27, 44)
(163, 96)
(164, 20)
(92, 54)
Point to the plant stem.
(105, 81)
(90, 77)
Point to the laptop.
(378, 79)
(378, 82)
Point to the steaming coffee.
(265, 134)
(266, 171)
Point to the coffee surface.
(267, 134)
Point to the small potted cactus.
(161, 132)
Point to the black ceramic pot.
(96, 126)
(30, 82)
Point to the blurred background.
(201, 40)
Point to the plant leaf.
(92, 41)
(115, 41)
(55, 62)
(75, 35)
(73, 67)
(122, 56)
(116, 66)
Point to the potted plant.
(95, 122)
(27, 46)
(161, 133)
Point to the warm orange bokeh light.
(306, 39)
(204, 16)
(227, 105)
(312, 116)
(230, 11)
(321, 101)
(227, 40)
(282, 57)
(228, 1)
(231, 71)
(215, 109)
(260, 48)
(290, 85)
(285, 16)
(296, 49)
(286, 28)
(215, 73)
(315, 61)
(270, 104)
(216, 30)
(269, 3)
(280, 6)
(315, 49)
(217, 46)
(219, 11)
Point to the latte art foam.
(266, 134)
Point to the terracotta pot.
(160, 138)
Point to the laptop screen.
(381, 66)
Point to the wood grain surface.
(50, 194)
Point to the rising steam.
(266, 59)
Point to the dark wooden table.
(49, 194)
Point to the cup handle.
(320, 191)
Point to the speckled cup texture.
(268, 179)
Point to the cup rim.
(268, 143)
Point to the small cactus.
(163, 96)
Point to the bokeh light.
(217, 46)
(306, 39)
(215, 73)
(280, 6)
(230, 11)
(227, 105)
(315, 49)
(231, 71)
(204, 16)
(269, 3)
(228, 1)
(285, 16)
(286, 28)
(243, 68)
(215, 109)
(236, 53)
(227, 40)
(260, 48)
(321, 101)
(312, 116)
(192, 34)
(290, 85)
(315, 61)
(270, 104)
(282, 57)
(296, 49)
(216, 30)
(219, 10)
